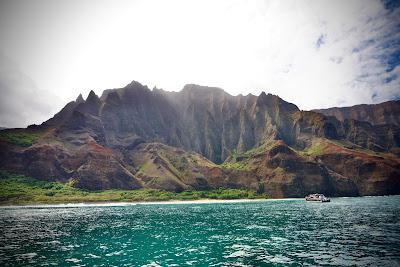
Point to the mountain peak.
(91, 105)
(273, 100)
(134, 84)
(79, 99)
(263, 98)
(200, 89)
(92, 96)
(263, 94)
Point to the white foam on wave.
(121, 204)
(152, 264)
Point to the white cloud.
(21, 102)
(69, 47)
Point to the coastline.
(161, 202)
(134, 203)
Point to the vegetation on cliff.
(202, 138)
(19, 137)
(19, 189)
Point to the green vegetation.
(319, 147)
(316, 149)
(180, 163)
(235, 163)
(254, 151)
(144, 168)
(19, 189)
(19, 137)
(348, 145)
(240, 161)
(268, 145)
(238, 165)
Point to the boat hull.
(317, 198)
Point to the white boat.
(317, 198)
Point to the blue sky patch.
(391, 4)
(393, 61)
(390, 78)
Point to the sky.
(316, 54)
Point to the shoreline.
(162, 202)
(134, 203)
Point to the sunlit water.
(346, 232)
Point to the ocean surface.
(345, 232)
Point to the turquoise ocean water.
(346, 232)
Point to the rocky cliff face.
(202, 137)
(383, 113)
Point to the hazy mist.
(316, 54)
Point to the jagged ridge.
(378, 114)
(135, 137)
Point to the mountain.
(204, 138)
(383, 113)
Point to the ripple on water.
(346, 232)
